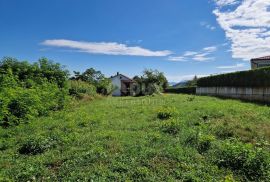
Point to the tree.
(152, 81)
(193, 82)
(96, 78)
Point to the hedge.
(252, 78)
(184, 90)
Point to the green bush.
(20, 104)
(252, 78)
(103, 85)
(244, 159)
(34, 146)
(30, 90)
(201, 142)
(172, 127)
(78, 88)
(204, 143)
(166, 113)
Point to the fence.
(244, 93)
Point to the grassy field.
(155, 138)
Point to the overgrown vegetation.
(151, 82)
(81, 89)
(160, 138)
(97, 79)
(252, 78)
(30, 90)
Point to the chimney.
(117, 73)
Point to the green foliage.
(34, 146)
(252, 162)
(30, 90)
(204, 143)
(172, 126)
(193, 82)
(166, 113)
(26, 73)
(121, 139)
(96, 78)
(105, 87)
(20, 104)
(184, 90)
(79, 88)
(252, 78)
(151, 82)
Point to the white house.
(123, 85)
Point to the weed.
(34, 146)
(172, 127)
(251, 162)
(166, 113)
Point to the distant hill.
(172, 83)
(180, 84)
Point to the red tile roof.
(261, 58)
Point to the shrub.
(103, 85)
(172, 127)
(30, 90)
(20, 104)
(34, 146)
(166, 113)
(244, 159)
(200, 141)
(252, 78)
(78, 88)
(204, 143)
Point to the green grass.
(160, 138)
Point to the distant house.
(260, 62)
(123, 84)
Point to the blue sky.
(181, 38)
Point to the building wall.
(116, 81)
(251, 94)
(260, 64)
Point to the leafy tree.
(152, 81)
(193, 82)
(96, 78)
(43, 70)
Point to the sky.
(181, 38)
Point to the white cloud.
(247, 27)
(201, 56)
(210, 49)
(207, 25)
(177, 58)
(190, 53)
(239, 65)
(226, 2)
(107, 48)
